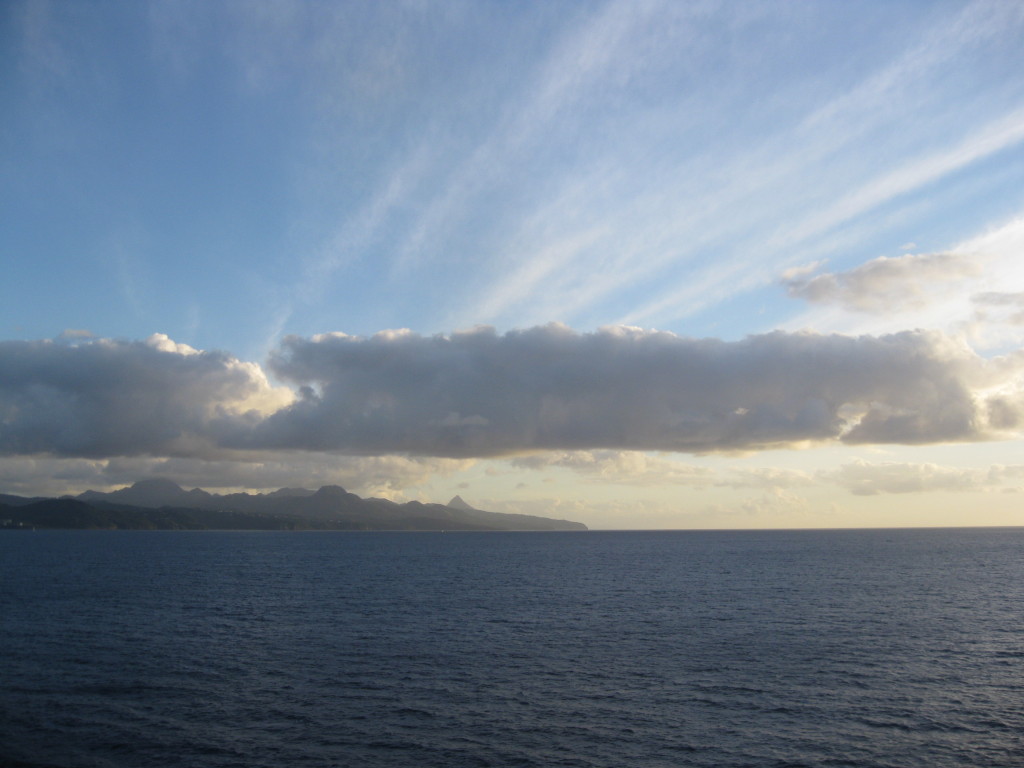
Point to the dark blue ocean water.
(842, 648)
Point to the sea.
(852, 648)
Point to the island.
(162, 504)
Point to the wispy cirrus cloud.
(609, 178)
(636, 162)
(775, 250)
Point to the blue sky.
(224, 184)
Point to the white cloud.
(970, 290)
(1008, 307)
(620, 467)
(886, 284)
(639, 468)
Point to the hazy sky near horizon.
(639, 264)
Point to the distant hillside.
(160, 504)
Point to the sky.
(637, 264)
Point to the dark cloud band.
(110, 398)
(479, 393)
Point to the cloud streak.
(642, 469)
(863, 478)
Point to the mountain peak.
(290, 493)
(331, 492)
(151, 492)
(459, 503)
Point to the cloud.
(1008, 306)
(620, 467)
(866, 479)
(109, 398)
(994, 137)
(972, 290)
(775, 501)
(639, 468)
(884, 284)
(477, 393)
(74, 334)
(764, 477)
